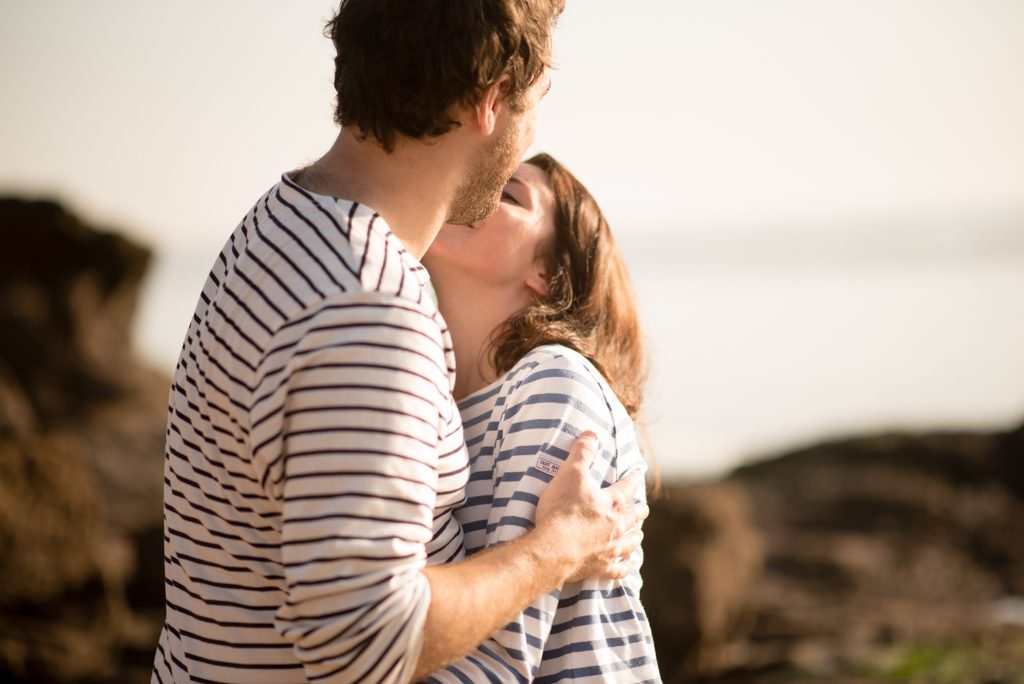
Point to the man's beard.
(479, 194)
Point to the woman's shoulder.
(558, 369)
(552, 361)
(551, 367)
(554, 386)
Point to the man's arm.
(345, 439)
(345, 434)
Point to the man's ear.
(537, 280)
(491, 104)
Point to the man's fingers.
(629, 518)
(627, 489)
(634, 515)
(583, 450)
(628, 543)
(615, 571)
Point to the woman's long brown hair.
(591, 307)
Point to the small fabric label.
(548, 465)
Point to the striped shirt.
(314, 454)
(518, 431)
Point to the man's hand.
(596, 528)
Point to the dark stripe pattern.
(314, 454)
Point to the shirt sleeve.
(552, 403)
(346, 427)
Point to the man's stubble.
(479, 194)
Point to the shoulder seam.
(383, 300)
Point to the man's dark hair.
(402, 65)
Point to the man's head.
(404, 67)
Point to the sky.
(745, 151)
(169, 117)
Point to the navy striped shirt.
(518, 431)
(314, 454)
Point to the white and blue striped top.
(518, 431)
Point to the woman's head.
(589, 305)
(548, 260)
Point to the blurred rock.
(865, 545)
(81, 454)
(703, 554)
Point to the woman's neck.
(473, 314)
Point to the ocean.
(761, 342)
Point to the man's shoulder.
(361, 314)
(316, 245)
(378, 261)
(317, 270)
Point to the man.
(314, 452)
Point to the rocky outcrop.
(81, 444)
(868, 549)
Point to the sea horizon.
(767, 340)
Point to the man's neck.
(411, 187)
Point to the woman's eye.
(509, 197)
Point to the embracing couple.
(400, 443)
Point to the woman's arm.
(543, 415)
(578, 533)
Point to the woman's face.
(502, 251)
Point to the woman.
(547, 345)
